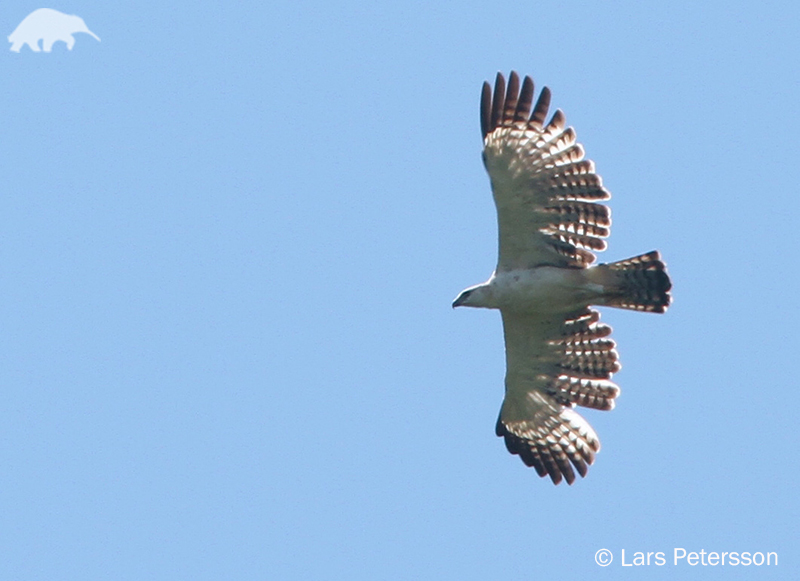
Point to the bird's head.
(474, 296)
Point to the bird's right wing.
(544, 190)
(552, 363)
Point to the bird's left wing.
(545, 192)
(552, 363)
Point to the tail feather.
(640, 283)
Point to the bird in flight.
(551, 221)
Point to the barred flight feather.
(592, 340)
(556, 124)
(575, 239)
(584, 392)
(566, 187)
(577, 256)
(582, 326)
(591, 363)
(523, 107)
(560, 157)
(539, 113)
(581, 213)
(581, 228)
(512, 92)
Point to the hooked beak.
(459, 301)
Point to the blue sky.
(229, 239)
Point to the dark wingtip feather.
(512, 93)
(524, 101)
(580, 464)
(558, 120)
(486, 109)
(497, 100)
(541, 107)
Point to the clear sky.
(230, 234)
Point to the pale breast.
(545, 288)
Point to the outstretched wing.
(545, 192)
(554, 362)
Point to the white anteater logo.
(49, 26)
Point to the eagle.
(551, 222)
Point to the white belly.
(545, 288)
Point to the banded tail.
(640, 283)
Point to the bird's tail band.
(640, 283)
